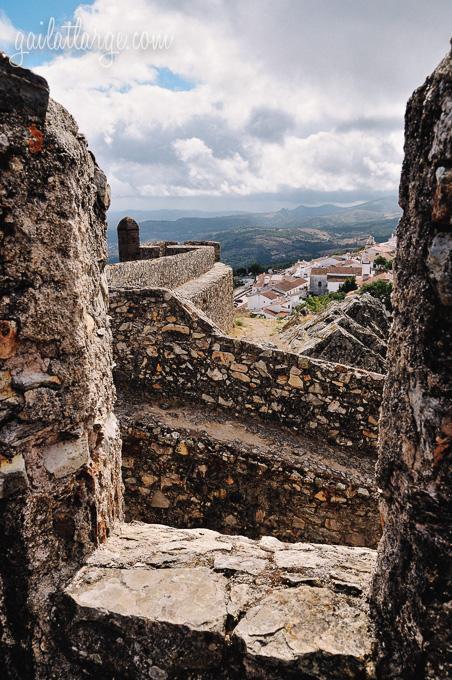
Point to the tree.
(256, 268)
(382, 264)
(348, 285)
(381, 290)
(318, 303)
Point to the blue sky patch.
(173, 81)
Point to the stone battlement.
(191, 270)
(170, 271)
(264, 441)
(160, 602)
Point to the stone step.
(158, 602)
(189, 466)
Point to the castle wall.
(184, 468)
(213, 294)
(411, 591)
(167, 272)
(191, 270)
(157, 602)
(165, 348)
(60, 484)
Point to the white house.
(293, 290)
(289, 287)
(366, 265)
(336, 276)
(261, 299)
(279, 309)
(318, 284)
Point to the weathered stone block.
(196, 604)
(13, 476)
(66, 457)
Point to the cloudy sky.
(249, 104)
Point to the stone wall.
(411, 590)
(191, 270)
(213, 293)
(189, 467)
(167, 272)
(164, 347)
(215, 244)
(60, 485)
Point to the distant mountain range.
(274, 237)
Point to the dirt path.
(258, 330)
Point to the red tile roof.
(270, 294)
(348, 271)
(272, 312)
(288, 284)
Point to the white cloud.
(294, 95)
(7, 31)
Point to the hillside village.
(275, 294)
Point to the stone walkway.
(158, 602)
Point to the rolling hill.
(279, 237)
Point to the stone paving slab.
(158, 602)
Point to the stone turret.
(128, 240)
(411, 588)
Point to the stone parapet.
(212, 293)
(216, 245)
(160, 602)
(169, 271)
(412, 585)
(60, 473)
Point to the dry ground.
(258, 330)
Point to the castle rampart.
(190, 467)
(60, 473)
(191, 270)
(85, 596)
(165, 347)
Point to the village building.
(318, 284)
(259, 300)
(338, 275)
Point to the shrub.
(348, 285)
(318, 303)
(256, 268)
(382, 264)
(381, 290)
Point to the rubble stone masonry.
(412, 585)
(60, 484)
(192, 271)
(165, 347)
(193, 467)
(170, 271)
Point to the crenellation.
(191, 270)
(59, 462)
